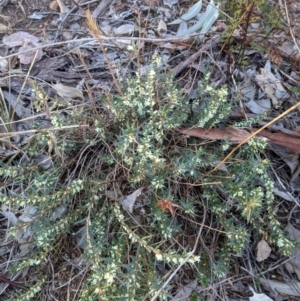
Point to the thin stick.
(254, 134)
(11, 134)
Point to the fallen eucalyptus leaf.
(200, 23)
(53, 5)
(26, 55)
(170, 3)
(6, 152)
(181, 29)
(258, 106)
(290, 288)
(271, 85)
(63, 8)
(20, 38)
(162, 28)
(234, 134)
(9, 215)
(258, 297)
(263, 251)
(237, 135)
(209, 21)
(17, 105)
(129, 201)
(58, 212)
(292, 160)
(191, 13)
(286, 196)
(186, 291)
(283, 139)
(3, 63)
(68, 92)
(124, 29)
(294, 263)
(80, 237)
(37, 16)
(28, 213)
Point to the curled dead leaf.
(125, 29)
(63, 8)
(53, 5)
(258, 297)
(68, 92)
(129, 201)
(26, 55)
(263, 251)
(167, 205)
(3, 63)
(162, 28)
(20, 38)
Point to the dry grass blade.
(254, 134)
(96, 32)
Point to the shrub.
(131, 143)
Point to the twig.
(104, 38)
(290, 26)
(101, 8)
(253, 135)
(11, 134)
(213, 42)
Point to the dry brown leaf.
(291, 142)
(68, 92)
(167, 205)
(63, 8)
(236, 135)
(53, 5)
(263, 251)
